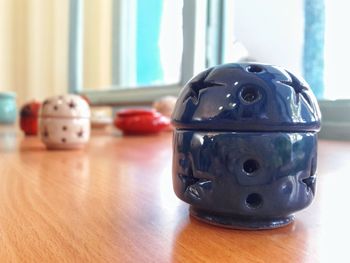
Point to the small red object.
(29, 118)
(141, 121)
(84, 97)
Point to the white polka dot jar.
(65, 122)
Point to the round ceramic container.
(29, 118)
(65, 122)
(245, 146)
(140, 121)
(165, 105)
(8, 110)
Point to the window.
(212, 32)
(145, 38)
(337, 52)
(290, 34)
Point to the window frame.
(335, 121)
(140, 95)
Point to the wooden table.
(114, 202)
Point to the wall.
(337, 52)
(33, 47)
(272, 30)
(97, 54)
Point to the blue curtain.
(313, 59)
(149, 69)
(75, 57)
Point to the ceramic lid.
(65, 106)
(247, 97)
(30, 109)
(7, 94)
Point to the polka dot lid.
(65, 106)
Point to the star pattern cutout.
(46, 133)
(72, 104)
(197, 86)
(297, 86)
(80, 133)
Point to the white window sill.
(130, 96)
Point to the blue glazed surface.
(245, 146)
(8, 109)
(247, 97)
(216, 172)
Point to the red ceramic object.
(29, 118)
(141, 121)
(84, 97)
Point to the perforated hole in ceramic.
(65, 122)
(249, 153)
(250, 166)
(254, 200)
(250, 94)
(255, 69)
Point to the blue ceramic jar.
(245, 145)
(8, 109)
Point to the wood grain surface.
(114, 202)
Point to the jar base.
(58, 146)
(240, 222)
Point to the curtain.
(314, 31)
(33, 47)
(149, 68)
(97, 43)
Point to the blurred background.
(50, 47)
(34, 47)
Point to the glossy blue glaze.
(247, 97)
(8, 109)
(219, 172)
(245, 146)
